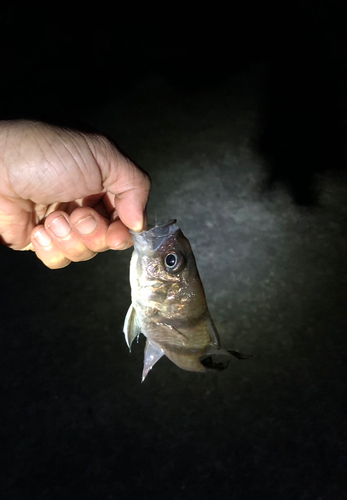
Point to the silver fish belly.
(169, 305)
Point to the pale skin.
(66, 195)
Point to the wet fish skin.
(168, 303)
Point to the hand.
(66, 195)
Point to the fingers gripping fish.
(169, 305)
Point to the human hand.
(65, 194)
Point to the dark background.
(239, 117)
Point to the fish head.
(163, 274)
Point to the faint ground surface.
(77, 418)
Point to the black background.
(171, 88)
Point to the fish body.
(168, 303)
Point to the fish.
(169, 305)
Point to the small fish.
(169, 305)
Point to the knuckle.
(81, 256)
(54, 262)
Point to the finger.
(128, 183)
(130, 206)
(91, 228)
(45, 249)
(65, 238)
(118, 236)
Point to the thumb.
(129, 184)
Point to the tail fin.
(213, 359)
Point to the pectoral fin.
(131, 327)
(152, 355)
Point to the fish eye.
(171, 260)
(174, 261)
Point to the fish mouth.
(155, 236)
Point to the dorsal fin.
(214, 337)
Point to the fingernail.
(60, 227)
(138, 227)
(87, 225)
(42, 238)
